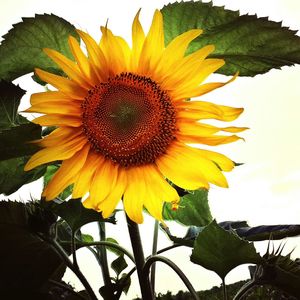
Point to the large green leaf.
(21, 49)
(248, 44)
(13, 176)
(221, 251)
(193, 209)
(75, 214)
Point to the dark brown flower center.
(129, 119)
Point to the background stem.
(65, 258)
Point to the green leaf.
(21, 49)
(75, 214)
(119, 264)
(15, 141)
(87, 238)
(112, 249)
(15, 130)
(10, 96)
(221, 251)
(51, 170)
(193, 209)
(13, 176)
(27, 262)
(248, 44)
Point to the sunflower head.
(124, 124)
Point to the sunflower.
(125, 127)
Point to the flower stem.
(154, 251)
(103, 255)
(176, 269)
(138, 252)
(225, 297)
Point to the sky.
(265, 190)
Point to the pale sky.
(265, 190)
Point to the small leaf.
(112, 249)
(249, 44)
(221, 251)
(21, 49)
(193, 209)
(87, 238)
(13, 176)
(10, 96)
(51, 170)
(119, 264)
(75, 214)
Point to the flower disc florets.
(129, 119)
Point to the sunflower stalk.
(138, 252)
(154, 252)
(103, 255)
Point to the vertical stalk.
(103, 255)
(154, 252)
(73, 248)
(138, 252)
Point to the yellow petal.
(58, 120)
(62, 108)
(190, 127)
(196, 75)
(49, 96)
(82, 61)
(63, 84)
(213, 140)
(153, 46)
(176, 49)
(200, 90)
(66, 174)
(108, 205)
(176, 75)
(221, 160)
(138, 38)
(116, 51)
(193, 165)
(104, 180)
(84, 179)
(180, 169)
(95, 55)
(69, 67)
(58, 136)
(59, 152)
(206, 110)
(158, 191)
(134, 195)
